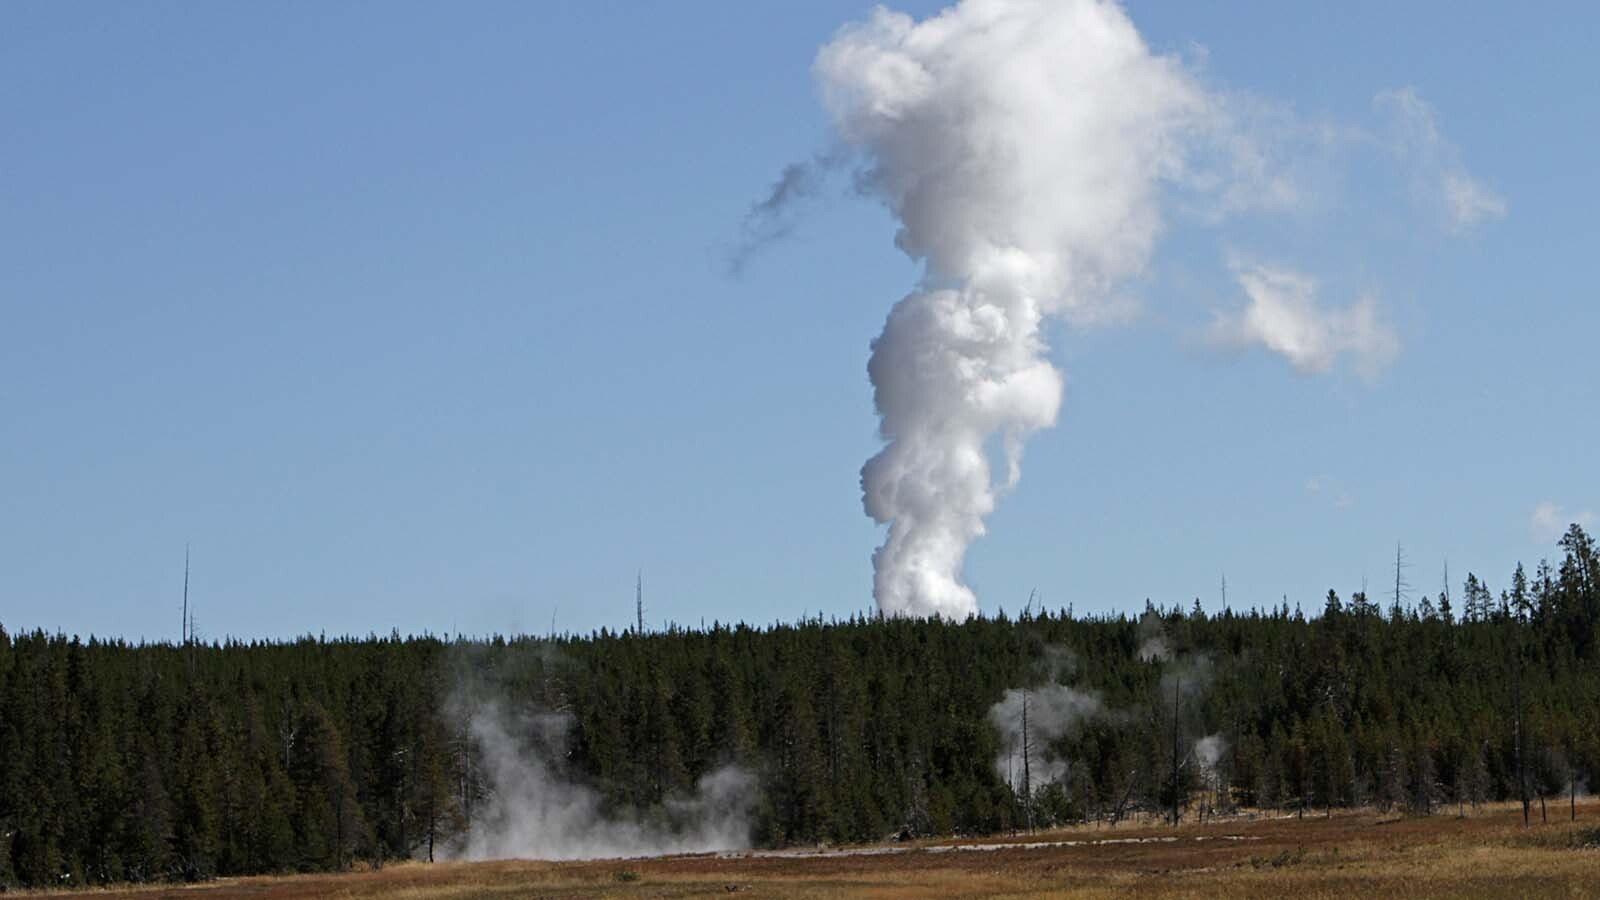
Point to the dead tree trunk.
(433, 823)
(1176, 687)
(1027, 772)
(1522, 774)
(1116, 814)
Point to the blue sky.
(411, 317)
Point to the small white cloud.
(1549, 521)
(1470, 202)
(1283, 316)
(1436, 163)
(1324, 486)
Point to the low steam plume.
(534, 806)
(1053, 711)
(1208, 751)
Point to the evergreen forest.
(191, 760)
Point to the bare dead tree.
(1011, 782)
(433, 822)
(1177, 685)
(1133, 779)
(638, 602)
(1401, 586)
(1027, 772)
(1522, 771)
(184, 639)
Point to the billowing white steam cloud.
(1028, 149)
(1021, 145)
(533, 811)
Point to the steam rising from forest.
(1031, 720)
(534, 805)
(1208, 751)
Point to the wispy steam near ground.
(534, 811)
(1208, 752)
(1050, 712)
(534, 806)
(1033, 721)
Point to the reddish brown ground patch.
(1487, 854)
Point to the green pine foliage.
(123, 762)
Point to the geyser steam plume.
(1022, 145)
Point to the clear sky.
(420, 317)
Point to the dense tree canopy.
(122, 762)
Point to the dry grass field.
(1485, 854)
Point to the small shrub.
(1583, 838)
(1283, 858)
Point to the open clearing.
(1485, 854)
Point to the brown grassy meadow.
(1486, 853)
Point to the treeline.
(124, 762)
